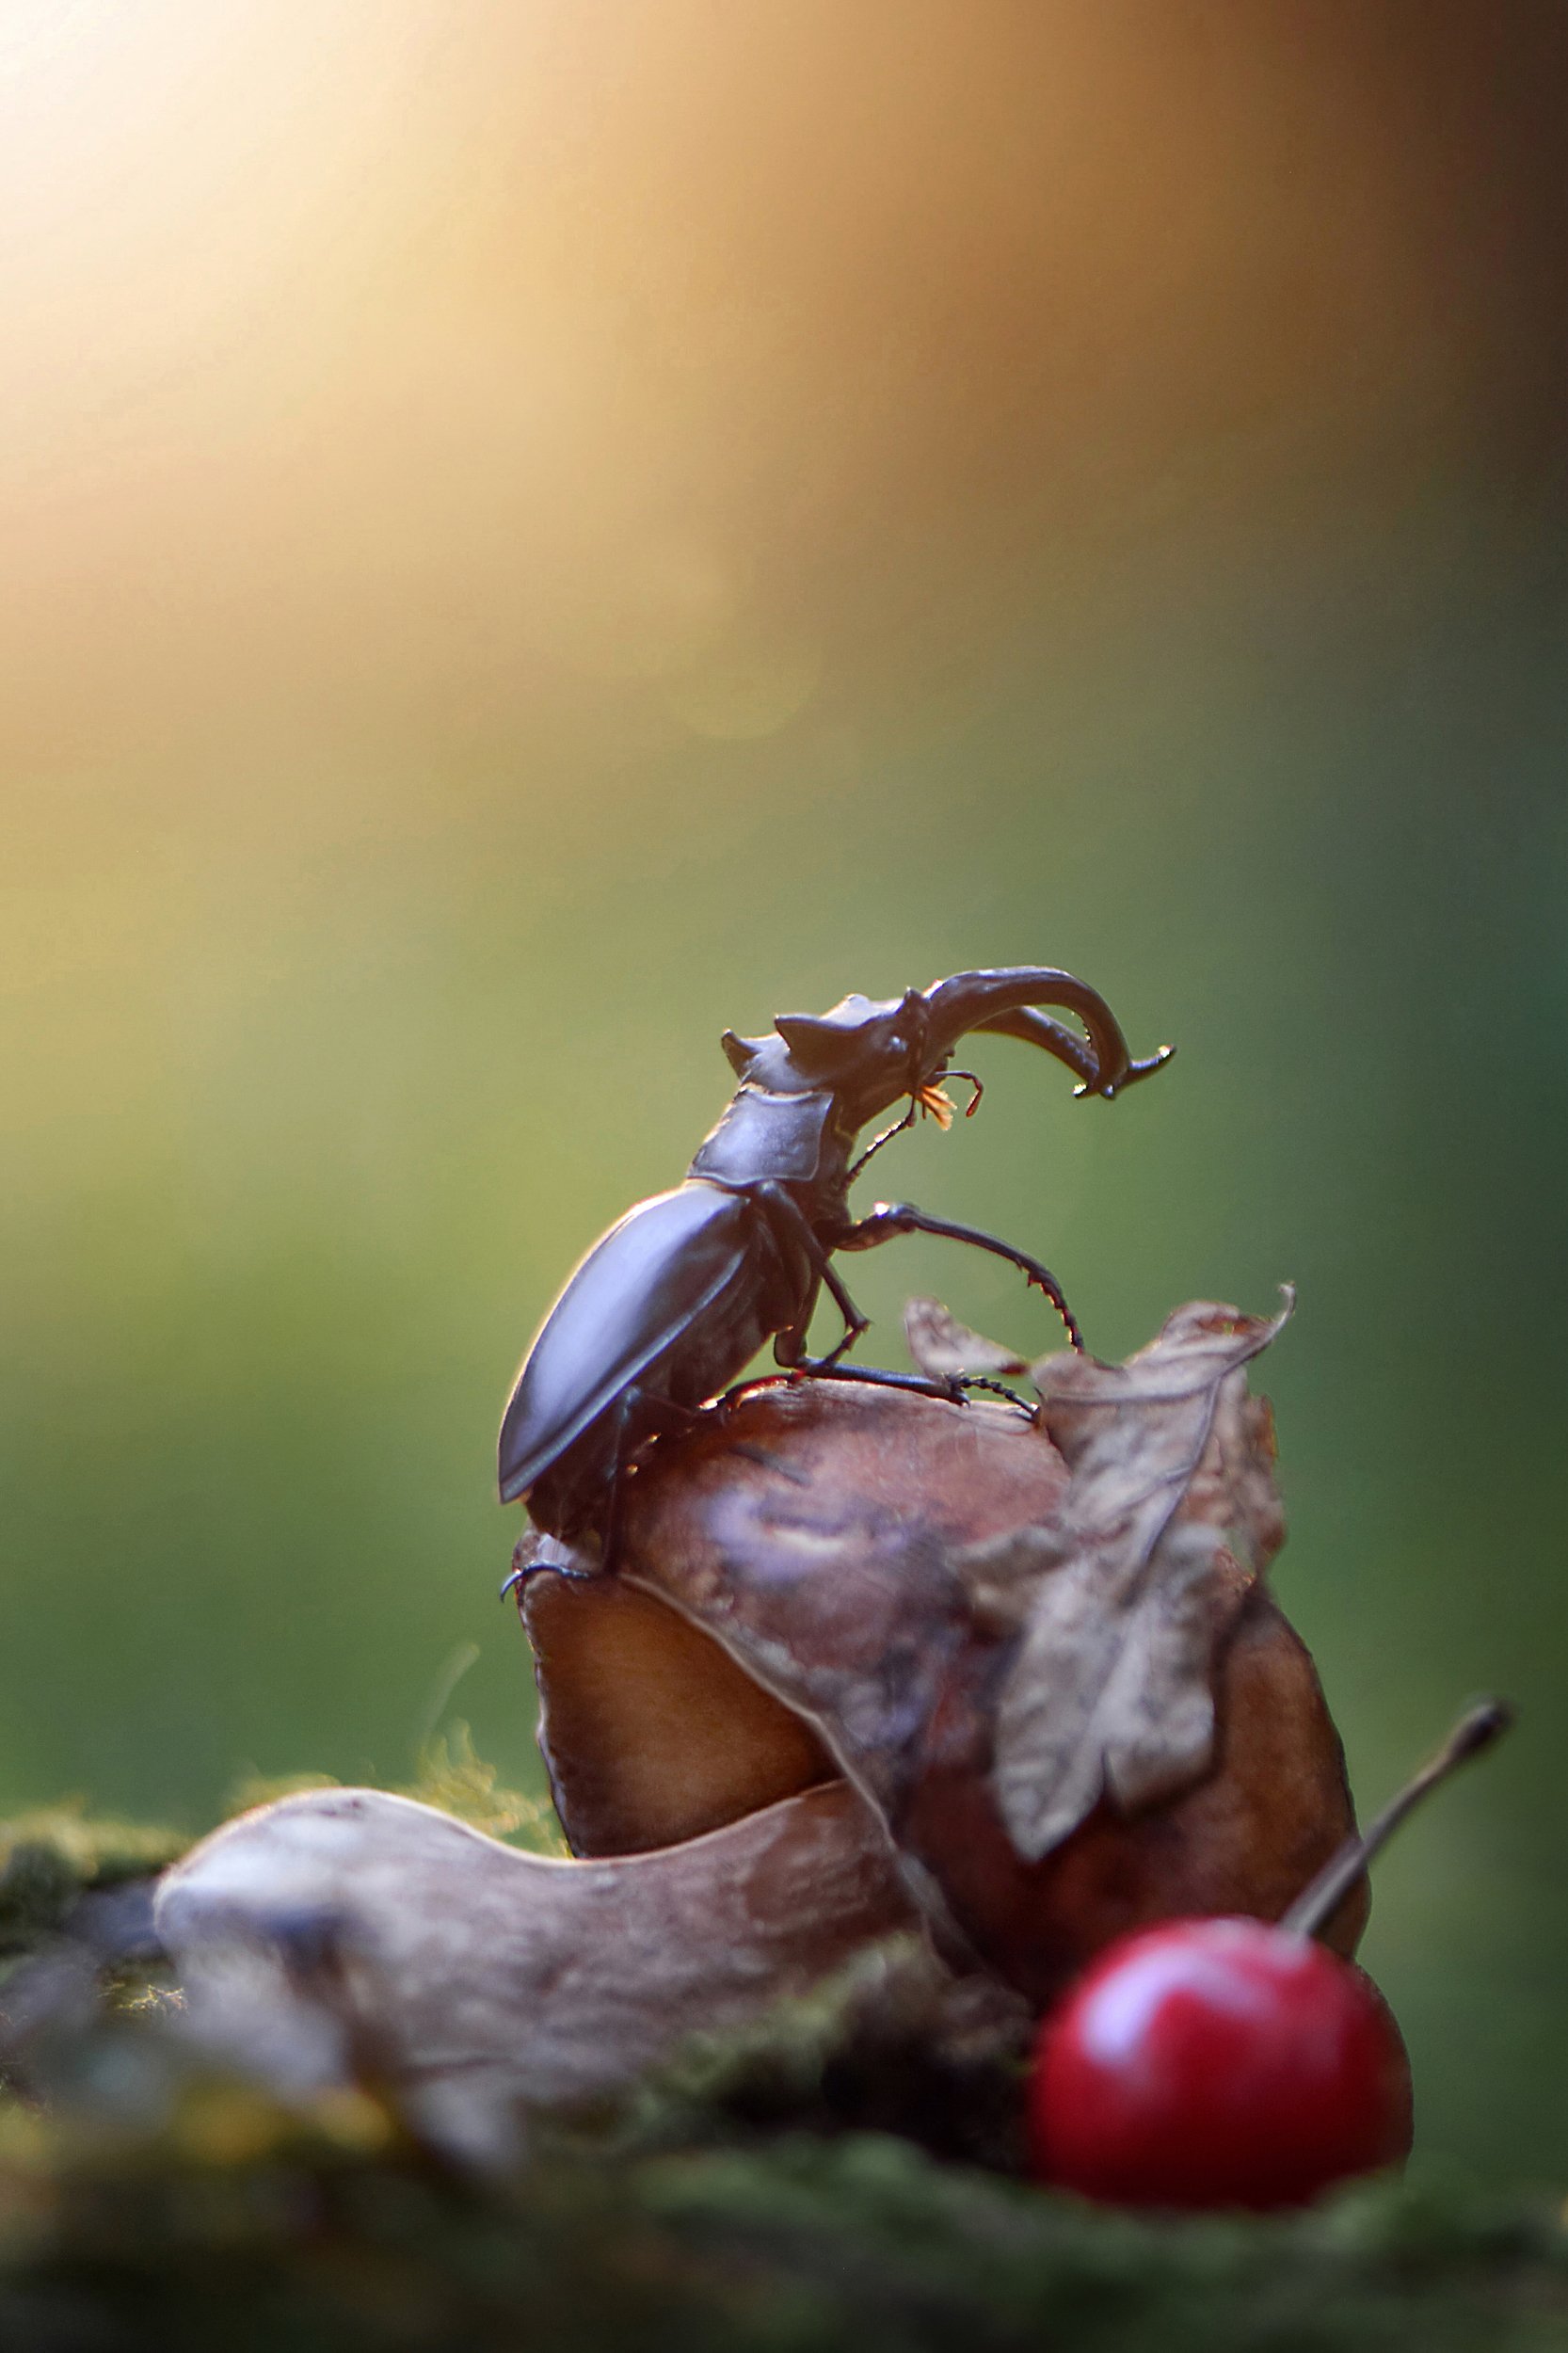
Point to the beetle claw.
(545, 1552)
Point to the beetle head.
(867, 1051)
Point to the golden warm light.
(372, 354)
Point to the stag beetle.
(671, 1305)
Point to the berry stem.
(1475, 1730)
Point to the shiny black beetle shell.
(635, 1312)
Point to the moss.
(886, 2043)
(50, 1858)
(243, 2223)
(450, 1775)
(54, 1855)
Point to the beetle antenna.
(885, 1137)
(973, 1104)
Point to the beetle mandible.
(669, 1307)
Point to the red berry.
(1218, 2063)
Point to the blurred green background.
(531, 534)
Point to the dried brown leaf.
(1171, 1470)
(943, 1348)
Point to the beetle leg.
(676, 1419)
(891, 1217)
(631, 1407)
(642, 1418)
(639, 1415)
(829, 1367)
(824, 1368)
(855, 1323)
(788, 1348)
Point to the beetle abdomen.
(638, 1293)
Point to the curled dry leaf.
(1170, 1481)
(878, 1565)
(349, 1933)
(944, 1349)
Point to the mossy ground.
(243, 2226)
(843, 2176)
